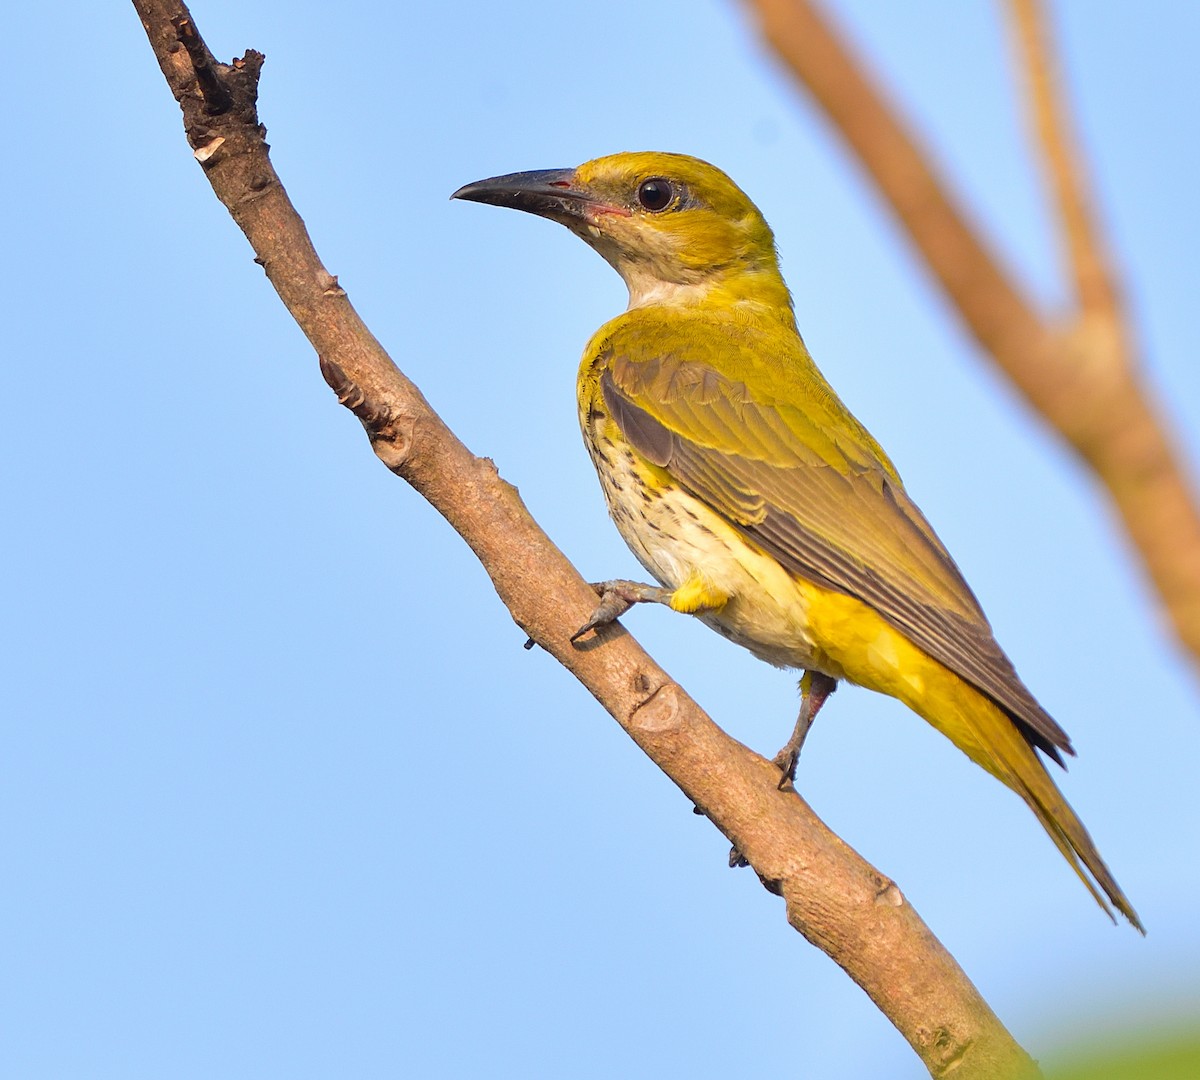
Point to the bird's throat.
(764, 289)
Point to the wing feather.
(804, 481)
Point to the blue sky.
(280, 793)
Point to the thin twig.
(1093, 276)
(833, 897)
(1082, 380)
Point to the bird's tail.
(982, 730)
(861, 647)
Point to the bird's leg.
(696, 596)
(616, 598)
(815, 689)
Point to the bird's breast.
(676, 536)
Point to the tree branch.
(1082, 378)
(833, 897)
(1094, 278)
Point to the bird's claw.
(786, 761)
(616, 598)
(611, 607)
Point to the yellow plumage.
(753, 496)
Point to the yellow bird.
(749, 491)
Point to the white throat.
(646, 290)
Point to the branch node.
(375, 417)
(659, 711)
(773, 885)
(949, 1050)
(888, 893)
(217, 98)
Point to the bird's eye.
(655, 194)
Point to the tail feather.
(1028, 777)
(989, 736)
(858, 645)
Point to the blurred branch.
(1095, 284)
(833, 897)
(1081, 375)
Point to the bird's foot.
(786, 761)
(815, 689)
(616, 598)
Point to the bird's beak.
(549, 193)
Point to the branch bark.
(833, 897)
(1079, 373)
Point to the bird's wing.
(799, 476)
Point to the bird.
(752, 495)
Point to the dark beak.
(549, 193)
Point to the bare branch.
(1094, 278)
(833, 897)
(1082, 380)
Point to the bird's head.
(677, 229)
